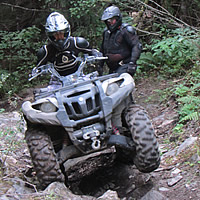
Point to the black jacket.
(121, 46)
(65, 61)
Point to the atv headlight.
(47, 107)
(112, 88)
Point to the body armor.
(121, 46)
(64, 61)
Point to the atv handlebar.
(41, 70)
(49, 68)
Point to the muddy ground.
(178, 176)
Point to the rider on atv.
(62, 49)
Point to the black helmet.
(57, 23)
(110, 12)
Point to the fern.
(190, 108)
(147, 61)
(190, 99)
(196, 86)
(192, 116)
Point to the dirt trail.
(178, 177)
(181, 168)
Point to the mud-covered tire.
(147, 156)
(43, 157)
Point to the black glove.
(100, 69)
(96, 53)
(131, 68)
(35, 71)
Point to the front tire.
(147, 156)
(43, 157)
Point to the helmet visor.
(59, 35)
(111, 21)
(59, 38)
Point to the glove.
(100, 70)
(41, 69)
(131, 68)
(34, 71)
(96, 53)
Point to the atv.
(81, 115)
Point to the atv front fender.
(37, 116)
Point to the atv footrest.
(121, 141)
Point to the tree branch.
(147, 32)
(23, 8)
(163, 12)
(166, 13)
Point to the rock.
(18, 191)
(195, 158)
(185, 144)
(163, 189)
(153, 195)
(7, 161)
(163, 148)
(174, 180)
(171, 153)
(130, 189)
(175, 172)
(181, 148)
(77, 168)
(109, 195)
(10, 117)
(165, 123)
(62, 192)
(3, 197)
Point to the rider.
(122, 47)
(62, 49)
(120, 43)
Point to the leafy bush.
(188, 97)
(173, 54)
(191, 110)
(189, 101)
(17, 57)
(85, 16)
(3, 78)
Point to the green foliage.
(85, 16)
(192, 116)
(181, 90)
(186, 93)
(178, 128)
(188, 99)
(147, 62)
(16, 47)
(2, 110)
(11, 144)
(190, 164)
(188, 96)
(3, 77)
(173, 54)
(190, 109)
(18, 55)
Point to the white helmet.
(56, 22)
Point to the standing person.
(120, 43)
(62, 49)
